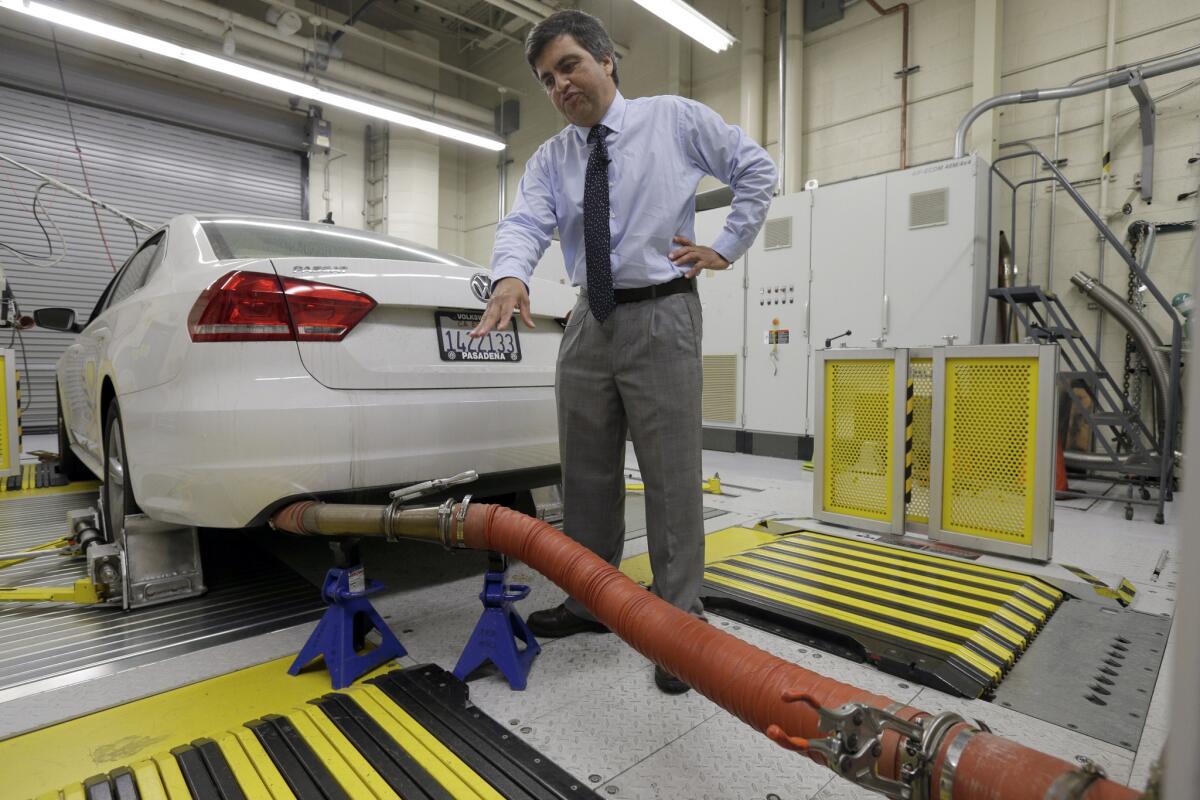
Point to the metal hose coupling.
(853, 746)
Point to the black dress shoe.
(668, 683)
(552, 623)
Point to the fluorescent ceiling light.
(236, 70)
(690, 21)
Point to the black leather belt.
(677, 286)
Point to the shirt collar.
(614, 118)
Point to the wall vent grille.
(928, 208)
(777, 233)
(719, 399)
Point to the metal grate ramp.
(956, 626)
(410, 733)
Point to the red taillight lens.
(324, 313)
(256, 307)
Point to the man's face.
(580, 87)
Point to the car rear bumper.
(219, 456)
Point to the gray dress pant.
(639, 372)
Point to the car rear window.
(233, 238)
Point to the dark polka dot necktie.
(597, 236)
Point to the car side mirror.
(57, 319)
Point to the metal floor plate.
(1092, 670)
(47, 645)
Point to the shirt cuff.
(728, 247)
(500, 273)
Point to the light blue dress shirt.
(660, 148)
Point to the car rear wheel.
(68, 463)
(117, 489)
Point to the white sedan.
(234, 365)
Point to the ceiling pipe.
(468, 21)
(518, 10)
(532, 12)
(902, 9)
(207, 18)
(317, 47)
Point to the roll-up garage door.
(152, 170)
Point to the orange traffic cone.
(1060, 470)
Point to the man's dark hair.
(584, 28)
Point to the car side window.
(136, 271)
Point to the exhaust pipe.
(869, 739)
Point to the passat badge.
(320, 269)
(481, 287)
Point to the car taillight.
(256, 307)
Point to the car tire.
(117, 489)
(69, 463)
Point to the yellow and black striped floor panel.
(410, 734)
(950, 624)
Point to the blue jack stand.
(342, 631)
(499, 628)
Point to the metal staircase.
(1126, 449)
(1125, 444)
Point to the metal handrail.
(1061, 92)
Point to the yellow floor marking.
(438, 760)
(916, 578)
(262, 762)
(945, 646)
(331, 757)
(149, 784)
(247, 776)
(968, 634)
(77, 749)
(718, 545)
(70, 488)
(172, 777)
(862, 587)
(74, 792)
(354, 759)
(947, 574)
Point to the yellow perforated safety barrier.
(859, 398)
(990, 448)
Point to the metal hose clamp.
(950, 765)
(444, 513)
(460, 519)
(1074, 785)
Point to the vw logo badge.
(481, 287)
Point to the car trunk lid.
(419, 305)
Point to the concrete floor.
(591, 704)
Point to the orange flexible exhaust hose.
(757, 687)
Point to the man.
(619, 184)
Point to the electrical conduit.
(769, 694)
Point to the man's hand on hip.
(508, 295)
(698, 256)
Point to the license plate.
(455, 345)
